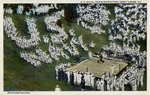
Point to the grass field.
(22, 76)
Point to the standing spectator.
(102, 85)
(56, 69)
(142, 75)
(57, 88)
(112, 69)
(92, 81)
(82, 84)
(59, 74)
(75, 77)
(98, 85)
(71, 78)
(66, 77)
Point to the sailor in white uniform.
(98, 85)
(112, 69)
(92, 81)
(57, 88)
(102, 85)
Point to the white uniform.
(56, 69)
(138, 78)
(75, 77)
(85, 78)
(134, 85)
(92, 81)
(112, 69)
(89, 79)
(79, 78)
(68, 75)
(117, 86)
(114, 80)
(142, 75)
(103, 77)
(108, 85)
(111, 86)
(141, 80)
(57, 89)
(102, 85)
(98, 84)
(122, 86)
(121, 82)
